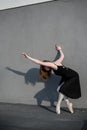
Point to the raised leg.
(69, 104)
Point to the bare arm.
(53, 65)
(59, 61)
(39, 62)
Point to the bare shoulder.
(57, 63)
(54, 66)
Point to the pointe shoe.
(70, 106)
(58, 110)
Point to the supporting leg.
(60, 98)
(59, 87)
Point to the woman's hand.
(57, 47)
(24, 54)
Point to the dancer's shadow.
(31, 76)
(49, 92)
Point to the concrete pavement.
(30, 117)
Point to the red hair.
(45, 74)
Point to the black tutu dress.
(71, 87)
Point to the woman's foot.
(58, 109)
(70, 106)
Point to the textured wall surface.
(35, 29)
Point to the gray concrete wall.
(35, 29)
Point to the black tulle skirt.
(71, 87)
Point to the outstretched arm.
(59, 61)
(52, 65)
(39, 62)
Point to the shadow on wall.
(49, 92)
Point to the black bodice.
(65, 72)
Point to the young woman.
(69, 86)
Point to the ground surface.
(29, 117)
